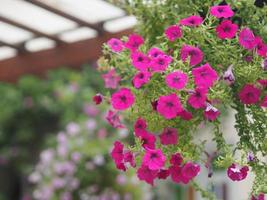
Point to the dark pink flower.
(115, 44)
(140, 127)
(264, 102)
(185, 115)
(192, 21)
(261, 47)
(237, 173)
(211, 113)
(160, 63)
(111, 79)
(147, 175)
(148, 139)
(140, 61)
(259, 197)
(154, 105)
(169, 136)
(223, 11)
(154, 159)
(134, 42)
(122, 99)
(198, 98)
(176, 159)
(155, 52)
(98, 98)
(194, 54)
(169, 106)
(228, 76)
(249, 94)
(173, 32)
(263, 83)
(163, 173)
(114, 119)
(141, 78)
(176, 173)
(176, 80)
(226, 29)
(247, 39)
(189, 171)
(204, 76)
(129, 157)
(117, 155)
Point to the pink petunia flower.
(176, 173)
(192, 21)
(98, 98)
(134, 42)
(169, 106)
(198, 98)
(117, 155)
(189, 171)
(173, 32)
(140, 127)
(140, 79)
(140, 61)
(111, 79)
(228, 76)
(176, 159)
(185, 115)
(169, 136)
(154, 159)
(160, 63)
(259, 197)
(148, 139)
(263, 82)
(204, 76)
(114, 119)
(247, 39)
(237, 173)
(222, 11)
(163, 173)
(264, 102)
(211, 113)
(226, 29)
(155, 52)
(122, 99)
(147, 175)
(176, 80)
(194, 54)
(249, 94)
(261, 47)
(128, 157)
(115, 44)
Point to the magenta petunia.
(134, 42)
(194, 54)
(261, 47)
(115, 45)
(204, 76)
(221, 11)
(211, 113)
(264, 102)
(160, 63)
(128, 157)
(228, 76)
(114, 119)
(173, 32)
(122, 99)
(111, 79)
(263, 82)
(147, 175)
(176, 159)
(154, 159)
(148, 139)
(261, 196)
(189, 171)
(117, 155)
(140, 61)
(98, 98)
(247, 39)
(169, 136)
(185, 115)
(155, 52)
(163, 173)
(169, 105)
(140, 79)
(237, 173)
(176, 80)
(192, 21)
(226, 29)
(140, 127)
(176, 173)
(198, 98)
(249, 94)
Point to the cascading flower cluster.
(169, 89)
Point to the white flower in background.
(121, 179)
(90, 125)
(58, 183)
(73, 129)
(62, 150)
(62, 138)
(123, 133)
(99, 160)
(47, 156)
(34, 177)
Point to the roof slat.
(19, 48)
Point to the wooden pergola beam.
(30, 29)
(72, 54)
(80, 22)
(19, 48)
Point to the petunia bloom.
(160, 63)
(148, 139)
(247, 39)
(169, 136)
(155, 52)
(192, 21)
(211, 113)
(228, 76)
(173, 32)
(176, 80)
(264, 102)
(204, 76)
(222, 11)
(114, 119)
(169, 105)
(163, 173)
(117, 155)
(140, 79)
(122, 99)
(185, 115)
(189, 171)
(226, 29)
(134, 42)
(154, 159)
(140, 61)
(237, 173)
(194, 54)
(249, 94)
(111, 79)
(146, 174)
(98, 98)
(140, 127)
(259, 197)
(261, 47)
(176, 159)
(128, 157)
(115, 45)
(198, 98)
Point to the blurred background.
(54, 142)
